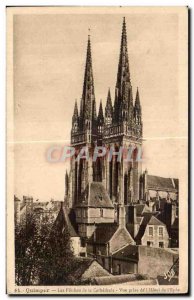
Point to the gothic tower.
(118, 129)
(123, 128)
(84, 133)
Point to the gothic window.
(126, 189)
(99, 169)
(80, 176)
(110, 178)
(101, 212)
(116, 174)
(100, 129)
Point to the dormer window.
(100, 197)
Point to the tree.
(43, 252)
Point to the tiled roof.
(103, 233)
(130, 251)
(162, 183)
(95, 195)
(141, 209)
(83, 264)
(67, 222)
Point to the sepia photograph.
(97, 150)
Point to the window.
(84, 213)
(160, 231)
(149, 244)
(83, 243)
(150, 230)
(119, 269)
(161, 244)
(101, 212)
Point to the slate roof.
(95, 195)
(63, 220)
(139, 209)
(83, 264)
(129, 252)
(103, 233)
(148, 219)
(162, 183)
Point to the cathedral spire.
(123, 74)
(137, 100)
(75, 118)
(88, 96)
(75, 113)
(137, 109)
(108, 109)
(100, 114)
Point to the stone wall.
(155, 261)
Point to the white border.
(3, 4)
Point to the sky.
(49, 61)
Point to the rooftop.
(95, 195)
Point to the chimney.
(121, 216)
(132, 220)
(169, 215)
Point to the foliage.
(43, 252)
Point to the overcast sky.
(49, 62)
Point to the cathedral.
(101, 194)
(120, 125)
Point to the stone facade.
(155, 235)
(120, 126)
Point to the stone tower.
(118, 128)
(123, 128)
(84, 133)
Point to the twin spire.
(123, 104)
(123, 74)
